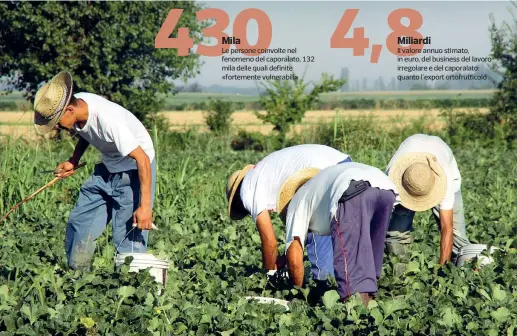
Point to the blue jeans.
(103, 197)
(320, 251)
(321, 255)
(348, 159)
(401, 224)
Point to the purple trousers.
(358, 237)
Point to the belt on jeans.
(354, 189)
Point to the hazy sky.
(308, 26)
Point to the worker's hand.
(64, 169)
(272, 277)
(143, 218)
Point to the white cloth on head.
(115, 132)
(434, 145)
(316, 202)
(261, 185)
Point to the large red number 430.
(183, 42)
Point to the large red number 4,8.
(358, 42)
(399, 30)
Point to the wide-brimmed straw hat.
(50, 102)
(420, 180)
(231, 187)
(289, 188)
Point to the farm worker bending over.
(253, 191)
(426, 174)
(121, 188)
(351, 204)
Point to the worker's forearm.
(269, 252)
(446, 243)
(295, 266)
(447, 235)
(268, 240)
(144, 174)
(79, 150)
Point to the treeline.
(347, 104)
(357, 104)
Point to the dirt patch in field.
(18, 124)
(184, 118)
(435, 124)
(17, 131)
(16, 117)
(22, 131)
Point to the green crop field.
(215, 261)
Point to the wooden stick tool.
(26, 199)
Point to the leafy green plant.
(286, 102)
(219, 116)
(503, 109)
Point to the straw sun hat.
(289, 188)
(420, 180)
(50, 102)
(232, 185)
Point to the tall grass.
(366, 138)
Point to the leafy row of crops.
(215, 262)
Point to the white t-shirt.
(115, 132)
(261, 185)
(436, 146)
(315, 204)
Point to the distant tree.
(194, 87)
(107, 46)
(442, 86)
(286, 102)
(345, 74)
(219, 116)
(504, 48)
(419, 86)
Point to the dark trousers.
(401, 219)
(358, 235)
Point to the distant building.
(345, 75)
